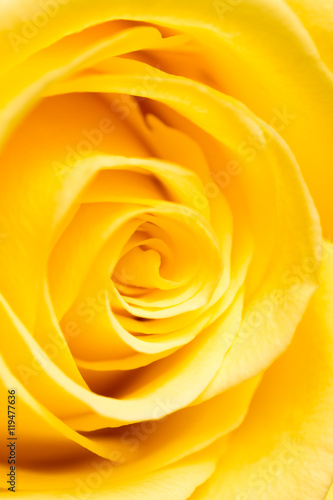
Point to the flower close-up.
(166, 255)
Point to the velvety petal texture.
(166, 285)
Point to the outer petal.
(284, 449)
(284, 73)
(317, 18)
(174, 483)
(330, 494)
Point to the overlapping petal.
(162, 247)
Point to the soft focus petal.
(284, 449)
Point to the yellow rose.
(166, 276)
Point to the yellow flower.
(166, 278)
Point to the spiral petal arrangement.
(166, 288)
